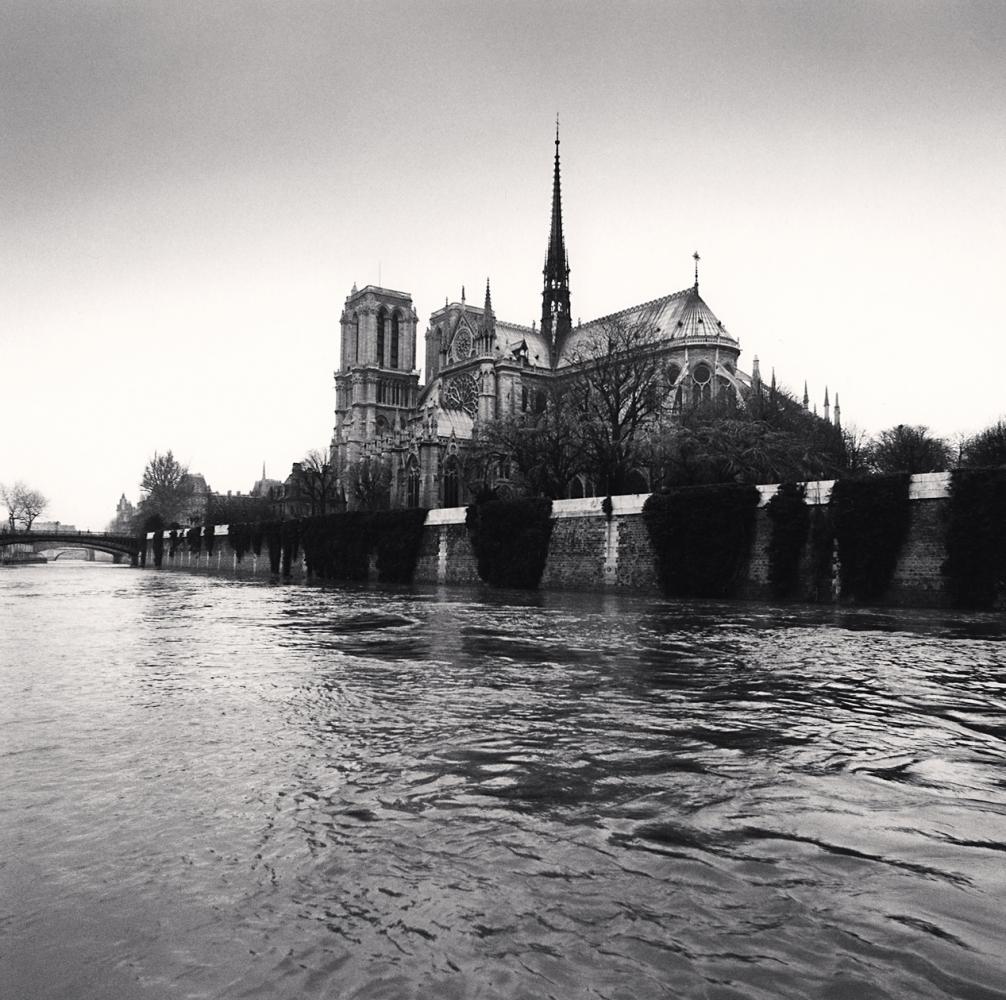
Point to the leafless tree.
(545, 445)
(987, 447)
(619, 385)
(370, 481)
(317, 483)
(907, 448)
(167, 488)
(24, 505)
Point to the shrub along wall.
(702, 538)
(976, 537)
(789, 516)
(871, 520)
(958, 530)
(510, 539)
(341, 546)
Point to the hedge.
(510, 540)
(239, 538)
(976, 537)
(870, 516)
(789, 517)
(339, 546)
(702, 537)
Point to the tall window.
(354, 332)
(412, 484)
(382, 320)
(394, 339)
(451, 492)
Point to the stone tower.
(377, 384)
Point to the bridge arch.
(99, 541)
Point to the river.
(212, 788)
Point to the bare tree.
(24, 505)
(370, 481)
(987, 447)
(318, 482)
(907, 448)
(7, 497)
(167, 486)
(619, 384)
(545, 445)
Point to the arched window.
(412, 483)
(382, 320)
(394, 338)
(575, 488)
(354, 332)
(452, 497)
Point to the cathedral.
(479, 368)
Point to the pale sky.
(188, 191)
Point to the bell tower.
(556, 324)
(377, 384)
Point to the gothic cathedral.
(479, 368)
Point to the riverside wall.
(590, 551)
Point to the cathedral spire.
(555, 316)
(488, 308)
(696, 258)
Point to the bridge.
(118, 546)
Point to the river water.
(211, 788)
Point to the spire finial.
(557, 131)
(696, 258)
(462, 294)
(489, 301)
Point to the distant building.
(265, 488)
(54, 527)
(122, 523)
(194, 511)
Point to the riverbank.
(596, 550)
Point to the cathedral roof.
(510, 336)
(458, 421)
(682, 316)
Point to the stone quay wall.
(589, 551)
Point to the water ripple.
(220, 789)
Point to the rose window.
(462, 346)
(461, 393)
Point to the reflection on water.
(221, 789)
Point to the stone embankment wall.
(589, 551)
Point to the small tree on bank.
(619, 385)
(317, 484)
(24, 505)
(545, 444)
(167, 488)
(370, 482)
(986, 448)
(910, 449)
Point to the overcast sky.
(190, 189)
